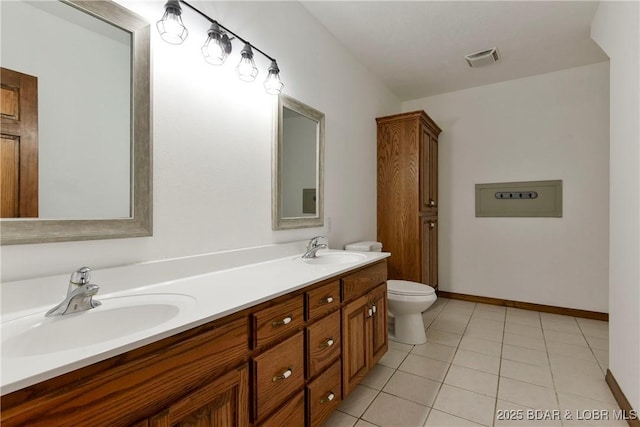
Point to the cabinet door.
(426, 199)
(223, 402)
(355, 343)
(379, 335)
(433, 173)
(428, 172)
(430, 251)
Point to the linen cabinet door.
(379, 335)
(221, 403)
(430, 251)
(427, 202)
(355, 343)
(433, 174)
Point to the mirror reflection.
(66, 137)
(299, 164)
(298, 168)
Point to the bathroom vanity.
(287, 360)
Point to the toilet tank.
(364, 246)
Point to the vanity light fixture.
(170, 27)
(218, 45)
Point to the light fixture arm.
(205, 16)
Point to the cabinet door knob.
(432, 202)
(326, 300)
(374, 309)
(432, 224)
(283, 376)
(284, 321)
(328, 343)
(370, 312)
(328, 398)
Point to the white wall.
(550, 126)
(212, 142)
(615, 29)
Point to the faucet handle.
(314, 241)
(81, 276)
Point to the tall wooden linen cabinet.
(407, 206)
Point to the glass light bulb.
(246, 69)
(213, 51)
(171, 28)
(272, 84)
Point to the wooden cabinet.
(223, 402)
(291, 414)
(323, 395)
(126, 388)
(277, 374)
(364, 336)
(379, 333)
(408, 193)
(323, 299)
(323, 343)
(430, 250)
(279, 363)
(277, 320)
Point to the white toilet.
(406, 302)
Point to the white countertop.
(226, 289)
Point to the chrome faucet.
(79, 294)
(314, 247)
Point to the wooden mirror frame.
(14, 232)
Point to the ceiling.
(417, 48)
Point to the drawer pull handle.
(328, 343)
(284, 321)
(328, 398)
(326, 300)
(283, 376)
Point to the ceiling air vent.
(484, 57)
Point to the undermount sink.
(337, 257)
(117, 317)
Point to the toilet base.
(407, 329)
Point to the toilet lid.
(404, 287)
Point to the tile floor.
(483, 363)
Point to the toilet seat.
(404, 287)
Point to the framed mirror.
(298, 166)
(92, 173)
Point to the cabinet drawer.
(291, 414)
(277, 320)
(323, 299)
(278, 373)
(323, 395)
(323, 343)
(362, 281)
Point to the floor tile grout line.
(553, 377)
(591, 348)
(495, 406)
